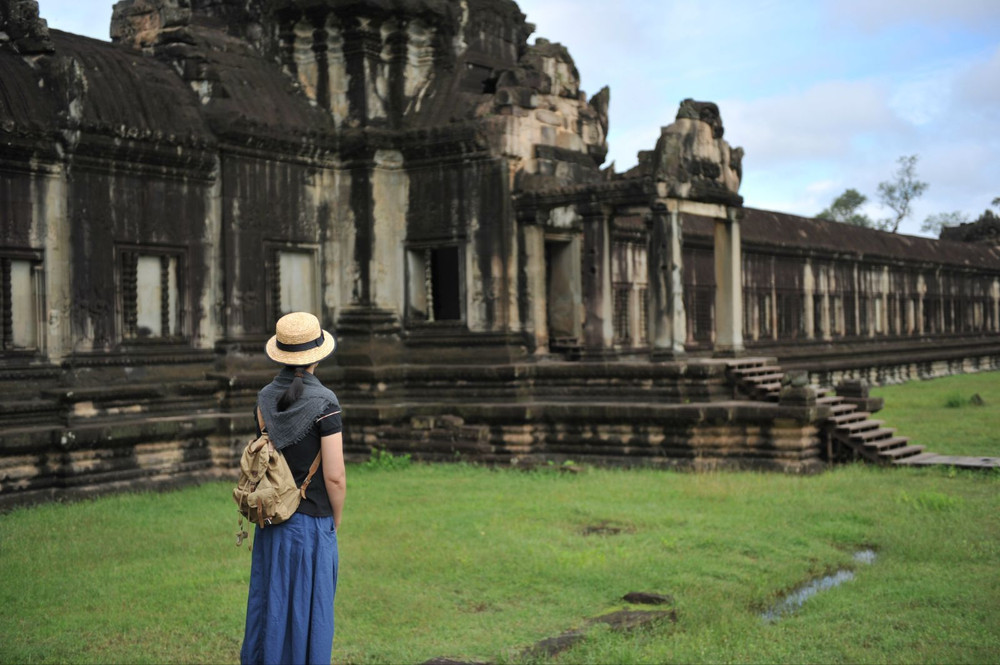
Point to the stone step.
(871, 435)
(849, 417)
(916, 459)
(774, 377)
(841, 409)
(744, 372)
(831, 400)
(886, 444)
(772, 387)
(860, 425)
(743, 363)
(902, 452)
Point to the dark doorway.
(445, 284)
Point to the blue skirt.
(293, 579)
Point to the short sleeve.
(329, 421)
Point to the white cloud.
(815, 124)
(978, 87)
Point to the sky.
(823, 95)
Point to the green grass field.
(467, 562)
(939, 414)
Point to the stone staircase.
(850, 431)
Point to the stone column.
(535, 316)
(808, 294)
(728, 286)
(397, 43)
(57, 265)
(666, 318)
(995, 297)
(921, 293)
(598, 326)
(363, 54)
(390, 200)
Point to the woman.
(293, 575)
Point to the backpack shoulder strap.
(312, 471)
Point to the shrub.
(386, 461)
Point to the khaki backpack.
(266, 493)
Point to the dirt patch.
(647, 598)
(621, 621)
(606, 528)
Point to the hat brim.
(301, 358)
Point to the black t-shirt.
(300, 457)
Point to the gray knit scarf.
(290, 426)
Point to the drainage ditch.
(796, 598)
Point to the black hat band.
(305, 346)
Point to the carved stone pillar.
(728, 286)
(598, 326)
(397, 41)
(808, 300)
(362, 51)
(666, 318)
(536, 302)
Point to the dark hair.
(294, 391)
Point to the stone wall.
(430, 184)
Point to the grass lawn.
(939, 413)
(467, 562)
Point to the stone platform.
(957, 461)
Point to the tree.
(934, 223)
(898, 194)
(845, 209)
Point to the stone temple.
(431, 185)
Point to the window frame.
(127, 285)
(420, 252)
(272, 262)
(35, 258)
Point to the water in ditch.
(796, 598)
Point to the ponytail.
(294, 391)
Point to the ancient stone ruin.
(431, 185)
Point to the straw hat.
(299, 340)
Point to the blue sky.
(822, 94)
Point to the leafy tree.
(934, 223)
(988, 216)
(845, 209)
(898, 194)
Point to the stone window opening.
(294, 280)
(434, 290)
(21, 301)
(790, 314)
(629, 284)
(931, 309)
(849, 314)
(837, 309)
(758, 313)
(699, 303)
(765, 314)
(151, 287)
(894, 314)
(621, 297)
